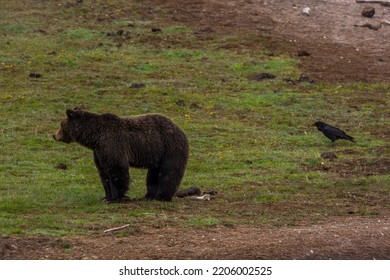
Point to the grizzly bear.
(150, 141)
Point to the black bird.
(333, 133)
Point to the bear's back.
(149, 137)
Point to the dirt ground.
(340, 238)
(335, 50)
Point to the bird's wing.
(335, 131)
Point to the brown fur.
(150, 141)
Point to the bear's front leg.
(118, 182)
(103, 177)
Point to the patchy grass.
(251, 141)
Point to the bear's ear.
(72, 114)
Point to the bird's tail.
(350, 138)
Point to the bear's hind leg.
(152, 183)
(169, 181)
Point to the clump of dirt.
(263, 76)
(137, 85)
(328, 155)
(368, 12)
(62, 166)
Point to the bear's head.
(65, 132)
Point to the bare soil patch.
(337, 238)
(338, 50)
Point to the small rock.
(303, 53)
(368, 12)
(306, 11)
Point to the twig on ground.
(374, 27)
(116, 228)
(383, 3)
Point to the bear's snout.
(57, 135)
(60, 136)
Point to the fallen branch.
(374, 27)
(370, 26)
(383, 3)
(188, 192)
(116, 228)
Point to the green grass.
(250, 140)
